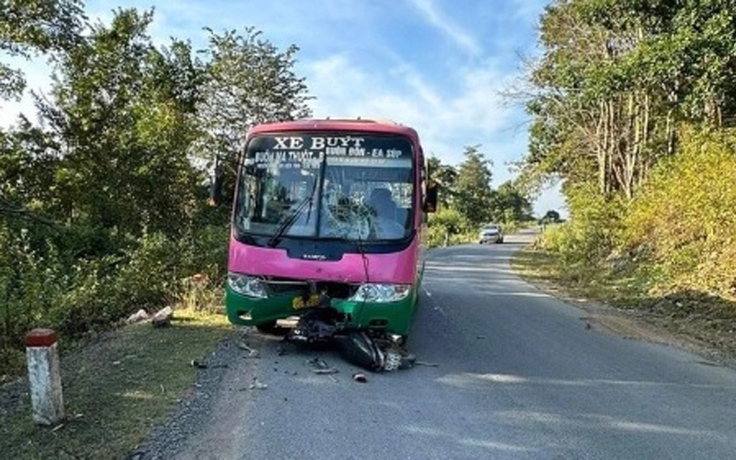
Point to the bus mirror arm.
(430, 200)
(216, 185)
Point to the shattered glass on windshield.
(327, 186)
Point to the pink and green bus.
(329, 213)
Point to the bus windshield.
(326, 186)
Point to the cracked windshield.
(321, 186)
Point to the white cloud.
(473, 113)
(443, 23)
(447, 121)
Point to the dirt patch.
(625, 327)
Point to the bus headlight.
(246, 285)
(381, 293)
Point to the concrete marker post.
(44, 378)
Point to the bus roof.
(356, 125)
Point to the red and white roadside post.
(43, 376)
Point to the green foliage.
(551, 216)
(150, 274)
(679, 233)
(591, 234)
(468, 201)
(30, 26)
(631, 109)
(474, 193)
(159, 270)
(509, 205)
(247, 80)
(617, 79)
(46, 287)
(125, 136)
(684, 222)
(447, 226)
(39, 287)
(102, 205)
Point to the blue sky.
(436, 65)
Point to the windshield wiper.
(291, 218)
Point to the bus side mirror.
(216, 186)
(430, 200)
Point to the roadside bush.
(31, 283)
(163, 270)
(511, 226)
(148, 277)
(75, 293)
(204, 265)
(86, 304)
(200, 293)
(448, 225)
(205, 251)
(684, 221)
(552, 239)
(591, 234)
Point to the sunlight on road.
(469, 380)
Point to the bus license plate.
(297, 303)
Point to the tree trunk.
(602, 148)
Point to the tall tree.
(123, 114)
(509, 204)
(616, 80)
(551, 216)
(248, 81)
(474, 193)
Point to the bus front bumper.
(393, 317)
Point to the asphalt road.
(518, 375)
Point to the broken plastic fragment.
(198, 364)
(256, 385)
(407, 360)
(360, 378)
(331, 370)
(319, 366)
(252, 353)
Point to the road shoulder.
(117, 388)
(715, 343)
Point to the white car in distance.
(491, 233)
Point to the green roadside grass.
(115, 390)
(541, 267)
